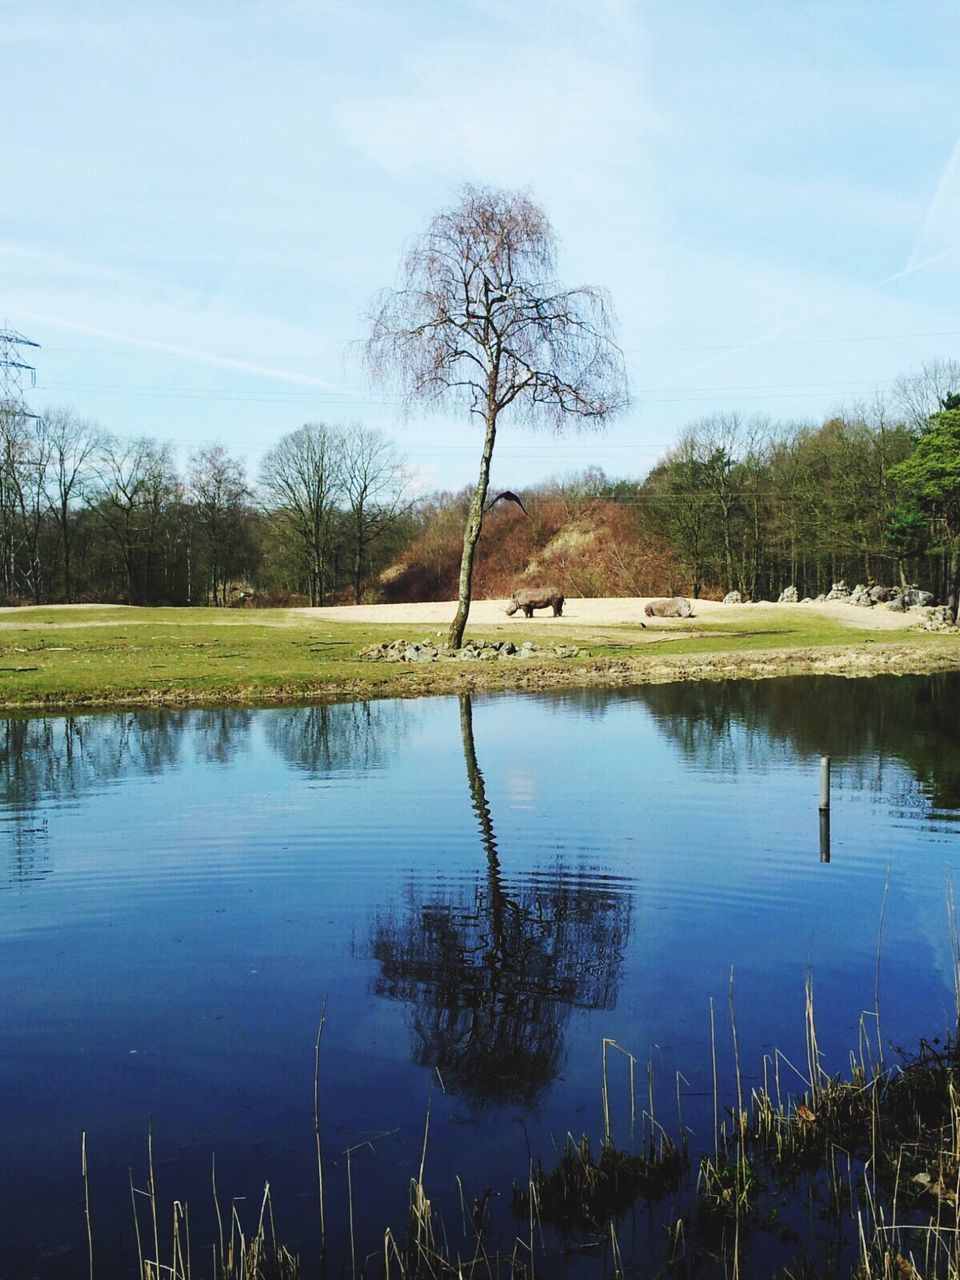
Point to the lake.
(476, 893)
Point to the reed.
(869, 1160)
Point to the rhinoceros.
(675, 607)
(530, 598)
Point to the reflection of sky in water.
(179, 891)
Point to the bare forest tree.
(919, 395)
(376, 486)
(218, 492)
(136, 482)
(24, 457)
(300, 478)
(71, 443)
(480, 321)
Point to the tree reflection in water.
(328, 737)
(862, 725)
(493, 973)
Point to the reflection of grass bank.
(69, 657)
(855, 1176)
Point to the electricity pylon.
(12, 370)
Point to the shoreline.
(527, 676)
(65, 658)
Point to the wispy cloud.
(189, 353)
(940, 236)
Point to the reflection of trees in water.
(494, 972)
(220, 734)
(866, 724)
(344, 735)
(61, 758)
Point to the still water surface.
(480, 892)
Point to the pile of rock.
(475, 651)
(864, 597)
(937, 618)
(733, 597)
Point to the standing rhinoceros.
(530, 598)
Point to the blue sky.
(201, 199)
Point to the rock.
(733, 597)
(789, 595)
(898, 604)
(914, 596)
(880, 595)
(860, 596)
(839, 591)
(566, 650)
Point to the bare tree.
(480, 321)
(919, 395)
(136, 483)
(71, 442)
(218, 489)
(301, 479)
(376, 489)
(24, 462)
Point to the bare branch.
(479, 320)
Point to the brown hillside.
(596, 548)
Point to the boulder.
(789, 595)
(733, 597)
(914, 596)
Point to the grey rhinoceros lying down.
(530, 598)
(675, 607)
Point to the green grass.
(113, 655)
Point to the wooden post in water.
(824, 835)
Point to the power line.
(648, 395)
(639, 351)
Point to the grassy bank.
(110, 656)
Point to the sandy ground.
(611, 610)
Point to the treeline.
(89, 516)
(871, 494)
(747, 504)
(754, 507)
(866, 496)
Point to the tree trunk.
(471, 535)
(358, 556)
